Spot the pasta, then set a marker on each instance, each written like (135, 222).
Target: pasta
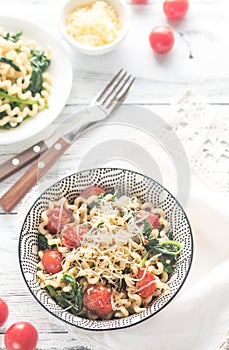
(25, 85)
(104, 256)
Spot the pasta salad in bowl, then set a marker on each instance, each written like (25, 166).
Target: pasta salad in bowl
(105, 248)
(33, 66)
(25, 83)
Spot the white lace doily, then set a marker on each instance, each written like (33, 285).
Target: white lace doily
(205, 137)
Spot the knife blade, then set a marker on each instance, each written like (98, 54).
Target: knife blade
(86, 118)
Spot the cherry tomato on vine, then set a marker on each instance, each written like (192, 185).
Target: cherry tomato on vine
(175, 9)
(21, 336)
(97, 299)
(146, 285)
(4, 312)
(52, 261)
(161, 39)
(92, 191)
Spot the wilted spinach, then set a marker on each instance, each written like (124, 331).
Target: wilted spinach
(39, 62)
(12, 37)
(73, 300)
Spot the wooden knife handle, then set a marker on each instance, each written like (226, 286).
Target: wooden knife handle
(12, 165)
(13, 196)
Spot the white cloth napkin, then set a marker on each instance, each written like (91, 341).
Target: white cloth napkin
(199, 316)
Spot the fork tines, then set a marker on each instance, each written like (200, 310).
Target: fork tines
(116, 90)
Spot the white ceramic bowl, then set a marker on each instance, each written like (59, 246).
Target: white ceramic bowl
(124, 16)
(58, 97)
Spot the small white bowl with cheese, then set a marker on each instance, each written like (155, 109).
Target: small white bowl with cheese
(95, 27)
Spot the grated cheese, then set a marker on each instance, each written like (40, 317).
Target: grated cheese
(96, 24)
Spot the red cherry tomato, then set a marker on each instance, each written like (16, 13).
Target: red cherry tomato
(4, 312)
(150, 217)
(161, 39)
(21, 336)
(139, 1)
(146, 285)
(92, 191)
(58, 218)
(72, 237)
(97, 299)
(175, 9)
(52, 261)
(154, 220)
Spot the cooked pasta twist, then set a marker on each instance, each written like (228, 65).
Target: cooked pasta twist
(25, 86)
(103, 241)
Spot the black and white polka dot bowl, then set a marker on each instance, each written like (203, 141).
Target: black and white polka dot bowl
(129, 183)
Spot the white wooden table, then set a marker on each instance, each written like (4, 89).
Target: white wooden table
(204, 32)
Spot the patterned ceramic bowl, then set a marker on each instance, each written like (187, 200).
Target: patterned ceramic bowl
(129, 183)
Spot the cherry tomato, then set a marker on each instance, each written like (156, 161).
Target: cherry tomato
(72, 237)
(139, 1)
(4, 312)
(97, 299)
(52, 261)
(161, 39)
(21, 336)
(150, 217)
(146, 285)
(92, 191)
(154, 220)
(175, 9)
(58, 218)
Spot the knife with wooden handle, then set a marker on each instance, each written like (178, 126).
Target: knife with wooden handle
(22, 159)
(86, 118)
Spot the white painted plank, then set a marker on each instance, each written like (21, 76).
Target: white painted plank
(208, 71)
(159, 81)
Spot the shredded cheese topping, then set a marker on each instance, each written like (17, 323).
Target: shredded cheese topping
(96, 24)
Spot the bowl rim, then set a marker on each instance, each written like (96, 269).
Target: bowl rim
(140, 320)
(95, 49)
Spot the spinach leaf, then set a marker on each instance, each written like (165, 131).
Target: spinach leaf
(12, 37)
(16, 99)
(132, 216)
(10, 62)
(168, 250)
(167, 247)
(92, 205)
(64, 303)
(67, 277)
(8, 126)
(39, 60)
(36, 81)
(39, 63)
(147, 228)
(42, 242)
(2, 114)
(168, 262)
(102, 195)
(117, 195)
(79, 298)
(75, 294)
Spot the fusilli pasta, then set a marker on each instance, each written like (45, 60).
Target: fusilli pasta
(110, 255)
(25, 85)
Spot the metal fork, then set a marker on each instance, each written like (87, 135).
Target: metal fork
(115, 92)
(100, 108)
(107, 101)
